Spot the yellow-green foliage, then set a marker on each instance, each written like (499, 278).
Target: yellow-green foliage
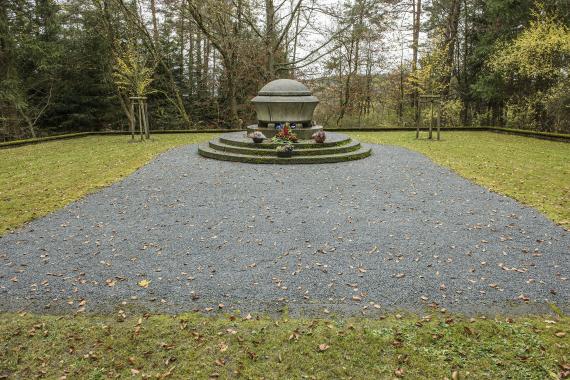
(132, 73)
(433, 67)
(232, 347)
(537, 61)
(541, 51)
(38, 179)
(534, 172)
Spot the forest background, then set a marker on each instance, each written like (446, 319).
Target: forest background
(71, 65)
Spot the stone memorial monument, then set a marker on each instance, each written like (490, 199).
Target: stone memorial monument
(285, 133)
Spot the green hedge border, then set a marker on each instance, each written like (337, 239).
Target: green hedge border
(520, 132)
(65, 136)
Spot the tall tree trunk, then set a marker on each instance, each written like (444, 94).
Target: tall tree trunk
(450, 41)
(198, 64)
(6, 66)
(270, 38)
(191, 69)
(206, 66)
(154, 21)
(353, 62)
(182, 42)
(295, 42)
(415, 44)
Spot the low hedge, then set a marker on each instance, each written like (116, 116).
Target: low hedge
(521, 132)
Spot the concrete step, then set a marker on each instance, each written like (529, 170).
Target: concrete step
(206, 151)
(255, 150)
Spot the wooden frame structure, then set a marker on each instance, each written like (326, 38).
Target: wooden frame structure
(431, 99)
(141, 115)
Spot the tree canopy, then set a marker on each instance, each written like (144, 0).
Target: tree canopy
(71, 65)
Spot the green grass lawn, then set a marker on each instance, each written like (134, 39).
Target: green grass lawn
(199, 347)
(38, 179)
(532, 171)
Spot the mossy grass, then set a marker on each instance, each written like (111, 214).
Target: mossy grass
(237, 346)
(534, 172)
(38, 179)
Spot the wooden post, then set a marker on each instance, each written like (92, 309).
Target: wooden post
(132, 120)
(139, 102)
(140, 119)
(418, 111)
(431, 120)
(438, 118)
(146, 126)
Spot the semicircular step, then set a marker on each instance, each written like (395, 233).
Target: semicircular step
(206, 151)
(255, 150)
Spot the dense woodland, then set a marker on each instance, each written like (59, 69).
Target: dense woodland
(71, 65)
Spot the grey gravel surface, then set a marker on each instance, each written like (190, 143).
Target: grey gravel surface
(393, 231)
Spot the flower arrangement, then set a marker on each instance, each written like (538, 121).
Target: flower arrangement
(285, 150)
(257, 136)
(285, 136)
(319, 137)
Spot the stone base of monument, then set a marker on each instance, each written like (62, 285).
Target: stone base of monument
(302, 133)
(238, 147)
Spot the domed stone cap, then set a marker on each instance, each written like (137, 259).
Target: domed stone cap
(284, 87)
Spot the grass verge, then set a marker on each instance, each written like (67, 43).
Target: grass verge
(534, 172)
(195, 346)
(38, 179)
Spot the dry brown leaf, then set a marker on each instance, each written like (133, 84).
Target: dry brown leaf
(323, 347)
(144, 283)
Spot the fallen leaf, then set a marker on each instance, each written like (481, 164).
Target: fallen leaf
(323, 347)
(144, 283)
